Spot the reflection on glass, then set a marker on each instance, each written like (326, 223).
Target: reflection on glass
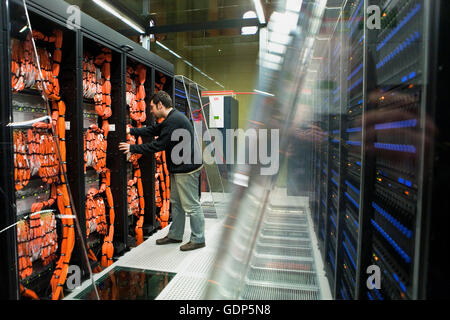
(128, 284)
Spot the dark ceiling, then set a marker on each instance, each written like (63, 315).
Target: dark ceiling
(204, 48)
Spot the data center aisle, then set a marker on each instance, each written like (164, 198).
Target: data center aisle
(286, 264)
(190, 269)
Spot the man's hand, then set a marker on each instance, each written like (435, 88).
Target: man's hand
(125, 147)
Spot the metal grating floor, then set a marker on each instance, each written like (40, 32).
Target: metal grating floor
(283, 264)
(295, 242)
(284, 251)
(262, 292)
(283, 278)
(286, 264)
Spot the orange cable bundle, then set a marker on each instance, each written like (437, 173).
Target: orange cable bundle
(162, 185)
(68, 241)
(108, 247)
(50, 242)
(17, 65)
(22, 172)
(38, 239)
(97, 84)
(136, 102)
(23, 249)
(28, 293)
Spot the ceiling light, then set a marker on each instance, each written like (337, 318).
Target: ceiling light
(276, 48)
(25, 27)
(264, 93)
(249, 30)
(116, 13)
(171, 51)
(294, 5)
(259, 11)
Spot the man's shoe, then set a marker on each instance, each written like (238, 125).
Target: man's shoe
(167, 240)
(191, 246)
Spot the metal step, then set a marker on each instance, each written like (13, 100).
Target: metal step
(286, 208)
(283, 263)
(273, 232)
(286, 218)
(283, 278)
(284, 251)
(285, 226)
(289, 242)
(263, 292)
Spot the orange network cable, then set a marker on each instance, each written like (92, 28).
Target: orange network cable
(162, 179)
(39, 238)
(96, 151)
(136, 101)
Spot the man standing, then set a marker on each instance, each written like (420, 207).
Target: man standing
(184, 177)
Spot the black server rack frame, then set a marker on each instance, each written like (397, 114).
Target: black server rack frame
(56, 13)
(168, 85)
(425, 254)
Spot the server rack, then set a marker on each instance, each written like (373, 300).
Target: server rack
(383, 152)
(90, 35)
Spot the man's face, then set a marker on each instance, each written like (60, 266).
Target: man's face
(156, 109)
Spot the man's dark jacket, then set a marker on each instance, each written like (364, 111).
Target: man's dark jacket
(175, 120)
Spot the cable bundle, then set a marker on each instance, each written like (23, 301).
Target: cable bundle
(133, 197)
(108, 247)
(162, 184)
(162, 179)
(135, 96)
(42, 160)
(68, 241)
(50, 238)
(95, 213)
(23, 67)
(23, 249)
(22, 171)
(37, 237)
(90, 77)
(97, 85)
(95, 146)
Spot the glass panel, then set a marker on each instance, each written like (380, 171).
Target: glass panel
(128, 284)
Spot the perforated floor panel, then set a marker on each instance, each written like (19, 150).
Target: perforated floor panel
(286, 264)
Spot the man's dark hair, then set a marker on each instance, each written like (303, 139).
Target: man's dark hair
(163, 97)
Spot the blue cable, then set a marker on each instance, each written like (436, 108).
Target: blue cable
(332, 180)
(350, 244)
(354, 143)
(396, 147)
(349, 255)
(332, 220)
(355, 71)
(405, 20)
(393, 221)
(394, 244)
(355, 84)
(405, 44)
(358, 129)
(352, 187)
(330, 255)
(351, 199)
(396, 125)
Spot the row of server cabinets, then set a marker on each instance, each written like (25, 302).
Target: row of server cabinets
(36, 249)
(187, 100)
(380, 209)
